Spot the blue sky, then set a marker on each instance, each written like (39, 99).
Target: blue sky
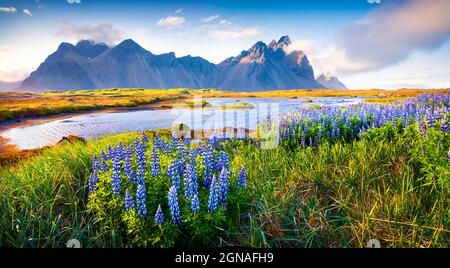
(337, 36)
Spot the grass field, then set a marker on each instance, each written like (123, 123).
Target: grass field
(18, 105)
(393, 185)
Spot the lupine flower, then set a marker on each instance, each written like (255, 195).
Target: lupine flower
(93, 180)
(115, 177)
(95, 164)
(242, 178)
(174, 174)
(159, 217)
(140, 154)
(141, 196)
(195, 204)
(144, 137)
(127, 164)
(103, 166)
(155, 165)
(448, 155)
(190, 178)
(129, 203)
(213, 199)
(223, 161)
(173, 206)
(224, 185)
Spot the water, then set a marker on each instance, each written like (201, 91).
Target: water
(94, 125)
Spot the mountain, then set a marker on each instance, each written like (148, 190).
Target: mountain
(330, 82)
(267, 67)
(90, 65)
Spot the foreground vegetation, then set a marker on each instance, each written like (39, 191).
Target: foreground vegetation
(390, 181)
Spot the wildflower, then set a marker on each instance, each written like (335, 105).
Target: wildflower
(95, 164)
(115, 177)
(174, 175)
(224, 185)
(127, 162)
(159, 217)
(242, 178)
(129, 203)
(213, 200)
(223, 161)
(140, 154)
(103, 166)
(144, 137)
(141, 195)
(93, 180)
(155, 165)
(448, 155)
(173, 205)
(195, 204)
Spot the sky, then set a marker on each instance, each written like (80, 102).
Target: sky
(365, 43)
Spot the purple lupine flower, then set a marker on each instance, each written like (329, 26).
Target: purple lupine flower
(144, 137)
(155, 165)
(195, 204)
(173, 206)
(141, 196)
(140, 154)
(223, 161)
(103, 166)
(95, 164)
(92, 183)
(115, 177)
(213, 199)
(129, 202)
(159, 217)
(223, 186)
(242, 178)
(174, 174)
(448, 155)
(127, 164)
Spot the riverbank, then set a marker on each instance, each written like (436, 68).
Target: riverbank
(20, 105)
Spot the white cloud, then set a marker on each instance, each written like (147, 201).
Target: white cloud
(172, 21)
(14, 75)
(27, 12)
(179, 11)
(99, 32)
(234, 33)
(390, 34)
(74, 1)
(210, 18)
(8, 9)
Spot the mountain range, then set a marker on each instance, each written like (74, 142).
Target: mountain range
(90, 65)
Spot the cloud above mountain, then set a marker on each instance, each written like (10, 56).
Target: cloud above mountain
(98, 32)
(172, 21)
(390, 34)
(8, 9)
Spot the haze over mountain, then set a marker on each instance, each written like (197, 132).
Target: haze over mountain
(9, 86)
(330, 82)
(90, 65)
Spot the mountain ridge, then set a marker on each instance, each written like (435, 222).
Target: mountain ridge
(90, 65)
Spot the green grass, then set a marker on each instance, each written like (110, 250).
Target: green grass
(239, 105)
(336, 195)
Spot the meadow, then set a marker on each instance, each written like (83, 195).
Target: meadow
(338, 178)
(14, 105)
